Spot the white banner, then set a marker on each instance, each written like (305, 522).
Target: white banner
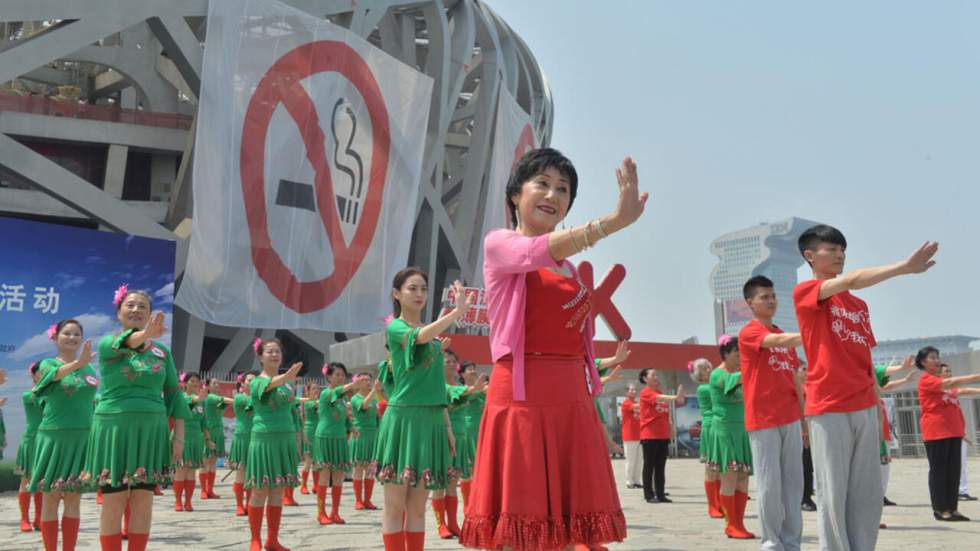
(306, 172)
(513, 137)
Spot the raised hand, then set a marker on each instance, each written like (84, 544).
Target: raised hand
(155, 328)
(294, 370)
(622, 352)
(462, 302)
(481, 383)
(86, 356)
(909, 362)
(631, 202)
(444, 343)
(921, 260)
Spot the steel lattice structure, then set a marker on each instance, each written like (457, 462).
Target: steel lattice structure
(132, 70)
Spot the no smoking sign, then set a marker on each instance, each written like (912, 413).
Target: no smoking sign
(348, 209)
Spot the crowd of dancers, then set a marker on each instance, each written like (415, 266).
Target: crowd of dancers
(525, 449)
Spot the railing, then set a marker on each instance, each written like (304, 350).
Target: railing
(40, 105)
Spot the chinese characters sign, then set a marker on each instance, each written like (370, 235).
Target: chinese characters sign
(46, 299)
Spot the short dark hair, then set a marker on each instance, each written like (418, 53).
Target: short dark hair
(644, 373)
(922, 354)
(334, 366)
(728, 347)
(535, 162)
(821, 233)
(755, 282)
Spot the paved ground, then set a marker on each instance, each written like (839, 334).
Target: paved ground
(681, 525)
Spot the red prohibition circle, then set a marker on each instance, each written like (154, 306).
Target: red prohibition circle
(281, 84)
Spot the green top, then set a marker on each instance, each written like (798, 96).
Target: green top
(311, 413)
(457, 411)
(297, 417)
(67, 404)
(333, 419)
(365, 418)
(32, 414)
(138, 381)
(196, 422)
(704, 403)
(416, 369)
(243, 414)
(726, 400)
(214, 407)
(474, 410)
(273, 407)
(386, 378)
(881, 374)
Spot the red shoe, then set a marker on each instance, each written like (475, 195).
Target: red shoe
(370, 506)
(335, 518)
(178, 507)
(324, 520)
(444, 532)
(882, 525)
(275, 547)
(188, 508)
(156, 491)
(304, 490)
(25, 525)
(358, 506)
(212, 495)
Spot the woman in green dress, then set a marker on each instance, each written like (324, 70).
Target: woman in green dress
(365, 416)
(214, 413)
(66, 390)
(25, 455)
(272, 460)
(242, 407)
(310, 399)
(129, 448)
(445, 503)
(330, 453)
(473, 414)
(700, 370)
(415, 439)
(196, 439)
(730, 453)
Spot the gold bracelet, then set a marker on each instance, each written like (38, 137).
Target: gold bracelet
(571, 233)
(588, 245)
(602, 233)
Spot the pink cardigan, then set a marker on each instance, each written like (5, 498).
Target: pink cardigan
(508, 256)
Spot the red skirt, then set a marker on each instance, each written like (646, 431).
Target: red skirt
(543, 479)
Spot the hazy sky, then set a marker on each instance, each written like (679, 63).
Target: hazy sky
(862, 115)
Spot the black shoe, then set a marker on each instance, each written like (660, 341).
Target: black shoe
(632, 486)
(809, 505)
(652, 500)
(945, 517)
(967, 497)
(958, 516)
(665, 499)
(889, 503)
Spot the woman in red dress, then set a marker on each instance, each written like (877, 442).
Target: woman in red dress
(543, 479)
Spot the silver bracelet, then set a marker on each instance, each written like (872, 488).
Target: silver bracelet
(602, 233)
(588, 245)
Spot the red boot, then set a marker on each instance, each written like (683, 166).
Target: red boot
(189, 494)
(368, 490)
(49, 534)
(464, 490)
(274, 516)
(126, 514)
(178, 495)
(414, 541)
(211, 494)
(287, 497)
(321, 506)
(358, 495)
(452, 506)
(37, 511)
(255, 527)
(24, 501)
(394, 542)
(203, 477)
(98, 496)
(709, 491)
(304, 477)
(335, 493)
(157, 491)
(239, 490)
(137, 542)
(69, 533)
(439, 510)
(111, 543)
(733, 526)
(316, 480)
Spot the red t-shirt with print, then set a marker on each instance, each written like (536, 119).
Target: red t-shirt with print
(941, 413)
(654, 416)
(837, 339)
(768, 387)
(631, 422)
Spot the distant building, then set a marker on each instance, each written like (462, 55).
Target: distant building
(766, 249)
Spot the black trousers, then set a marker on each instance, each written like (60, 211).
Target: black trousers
(654, 467)
(807, 475)
(944, 473)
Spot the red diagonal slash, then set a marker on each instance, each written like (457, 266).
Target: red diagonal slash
(602, 304)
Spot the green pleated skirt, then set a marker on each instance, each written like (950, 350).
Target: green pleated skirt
(462, 462)
(703, 440)
(413, 447)
(362, 448)
(59, 459)
(331, 453)
(194, 450)
(25, 456)
(309, 437)
(128, 449)
(218, 437)
(729, 450)
(272, 460)
(239, 450)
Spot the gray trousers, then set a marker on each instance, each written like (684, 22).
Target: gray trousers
(847, 466)
(777, 459)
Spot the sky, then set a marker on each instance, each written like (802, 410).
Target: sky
(865, 116)
(84, 268)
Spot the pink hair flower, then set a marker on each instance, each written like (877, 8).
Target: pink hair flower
(724, 340)
(324, 369)
(690, 367)
(120, 294)
(53, 331)
(257, 345)
(387, 320)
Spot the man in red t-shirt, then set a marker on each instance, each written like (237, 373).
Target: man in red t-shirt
(841, 396)
(773, 409)
(629, 415)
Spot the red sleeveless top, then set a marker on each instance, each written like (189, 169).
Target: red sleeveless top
(557, 310)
